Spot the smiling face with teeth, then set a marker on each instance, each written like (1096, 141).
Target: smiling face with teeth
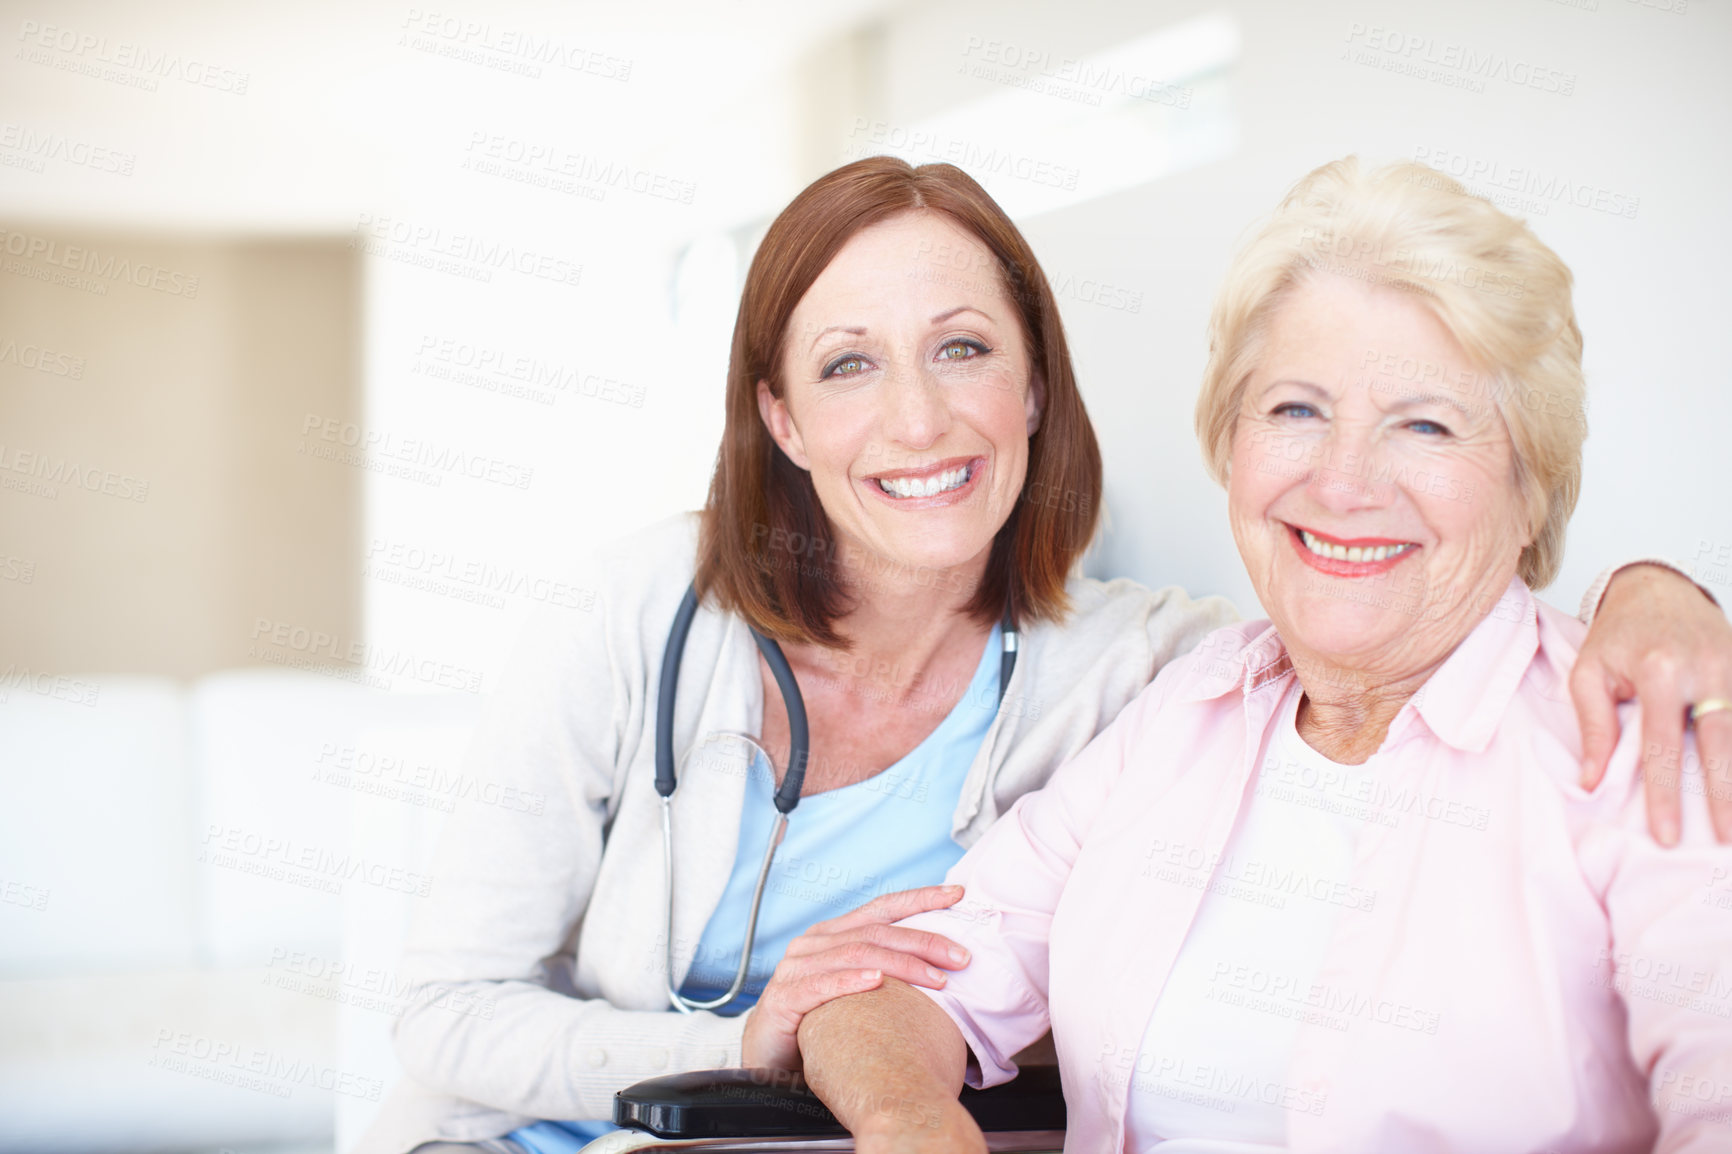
(907, 395)
(1379, 519)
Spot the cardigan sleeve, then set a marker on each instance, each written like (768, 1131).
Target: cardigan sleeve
(491, 1018)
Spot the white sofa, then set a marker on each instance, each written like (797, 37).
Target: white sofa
(203, 895)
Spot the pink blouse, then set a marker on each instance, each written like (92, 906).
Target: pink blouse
(1534, 973)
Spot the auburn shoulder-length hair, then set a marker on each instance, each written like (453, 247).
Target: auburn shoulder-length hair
(765, 545)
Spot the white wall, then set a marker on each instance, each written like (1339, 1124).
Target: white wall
(1649, 119)
(366, 120)
(344, 119)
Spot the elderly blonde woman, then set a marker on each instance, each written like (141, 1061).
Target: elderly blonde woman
(880, 517)
(1331, 882)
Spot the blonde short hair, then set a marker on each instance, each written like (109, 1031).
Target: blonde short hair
(1502, 294)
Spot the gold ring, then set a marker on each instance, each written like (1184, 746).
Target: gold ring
(1711, 705)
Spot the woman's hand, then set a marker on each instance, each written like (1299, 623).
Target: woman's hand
(1658, 639)
(848, 955)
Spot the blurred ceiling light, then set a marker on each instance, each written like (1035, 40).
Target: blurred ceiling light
(1064, 130)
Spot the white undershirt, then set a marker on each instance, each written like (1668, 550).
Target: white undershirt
(1212, 1073)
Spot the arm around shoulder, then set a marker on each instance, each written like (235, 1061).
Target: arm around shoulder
(1178, 623)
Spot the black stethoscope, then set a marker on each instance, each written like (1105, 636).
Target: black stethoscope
(787, 796)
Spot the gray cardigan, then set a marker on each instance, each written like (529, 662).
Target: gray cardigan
(538, 957)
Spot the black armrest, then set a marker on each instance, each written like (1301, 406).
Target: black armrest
(773, 1103)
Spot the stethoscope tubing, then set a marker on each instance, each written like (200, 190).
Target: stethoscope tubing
(787, 796)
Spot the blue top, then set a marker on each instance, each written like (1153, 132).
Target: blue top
(842, 848)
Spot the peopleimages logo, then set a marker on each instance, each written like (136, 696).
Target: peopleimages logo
(1081, 80)
(512, 373)
(58, 686)
(991, 161)
(1377, 263)
(400, 563)
(1458, 65)
(92, 263)
(507, 49)
(462, 254)
(51, 471)
(551, 165)
(348, 443)
(301, 647)
(237, 1064)
(39, 147)
(1524, 187)
(122, 61)
(28, 355)
(316, 867)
